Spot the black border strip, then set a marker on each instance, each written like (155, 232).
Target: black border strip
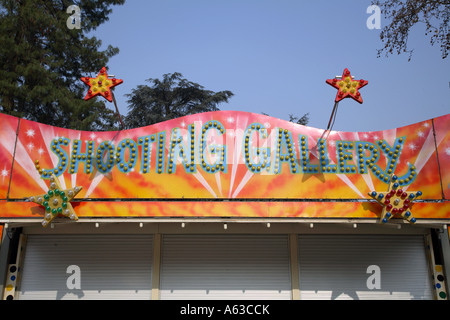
(231, 200)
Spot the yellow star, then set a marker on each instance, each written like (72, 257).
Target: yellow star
(395, 201)
(56, 201)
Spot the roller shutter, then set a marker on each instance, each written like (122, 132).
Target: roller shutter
(225, 267)
(338, 267)
(110, 267)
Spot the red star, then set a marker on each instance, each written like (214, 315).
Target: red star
(347, 87)
(101, 85)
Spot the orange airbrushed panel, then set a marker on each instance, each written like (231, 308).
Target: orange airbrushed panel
(219, 155)
(442, 128)
(219, 209)
(224, 155)
(8, 132)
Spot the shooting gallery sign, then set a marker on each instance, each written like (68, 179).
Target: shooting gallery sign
(223, 155)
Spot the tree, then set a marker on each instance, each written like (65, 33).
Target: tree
(404, 14)
(303, 120)
(42, 61)
(170, 98)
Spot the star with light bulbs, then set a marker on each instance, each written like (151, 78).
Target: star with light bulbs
(101, 85)
(56, 201)
(347, 87)
(396, 202)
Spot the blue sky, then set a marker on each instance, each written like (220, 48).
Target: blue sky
(275, 57)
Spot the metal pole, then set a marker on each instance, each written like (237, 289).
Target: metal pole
(117, 109)
(332, 114)
(4, 255)
(445, 246)
(331, 122)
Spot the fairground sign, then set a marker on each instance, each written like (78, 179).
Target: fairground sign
(201, 159)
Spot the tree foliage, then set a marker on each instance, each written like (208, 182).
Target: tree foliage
(170, 98)
(42, 61)
(303, 120)
(404, 14)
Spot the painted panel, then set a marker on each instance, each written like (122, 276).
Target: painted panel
(8, 131)
(442, 126)
(217, 209)
(228, 154)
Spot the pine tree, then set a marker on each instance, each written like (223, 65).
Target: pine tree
(169, 98)
(42, 61)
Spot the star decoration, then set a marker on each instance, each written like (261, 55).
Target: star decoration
(101, 85)
(396, 201)
(56, 201)
(347, 87)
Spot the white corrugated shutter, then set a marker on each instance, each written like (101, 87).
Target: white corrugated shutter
(336, 267)
(111, 267)
(225, 267)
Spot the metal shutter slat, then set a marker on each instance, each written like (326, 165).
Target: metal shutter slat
(225, 267)
(335, 266)
(112, 267)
